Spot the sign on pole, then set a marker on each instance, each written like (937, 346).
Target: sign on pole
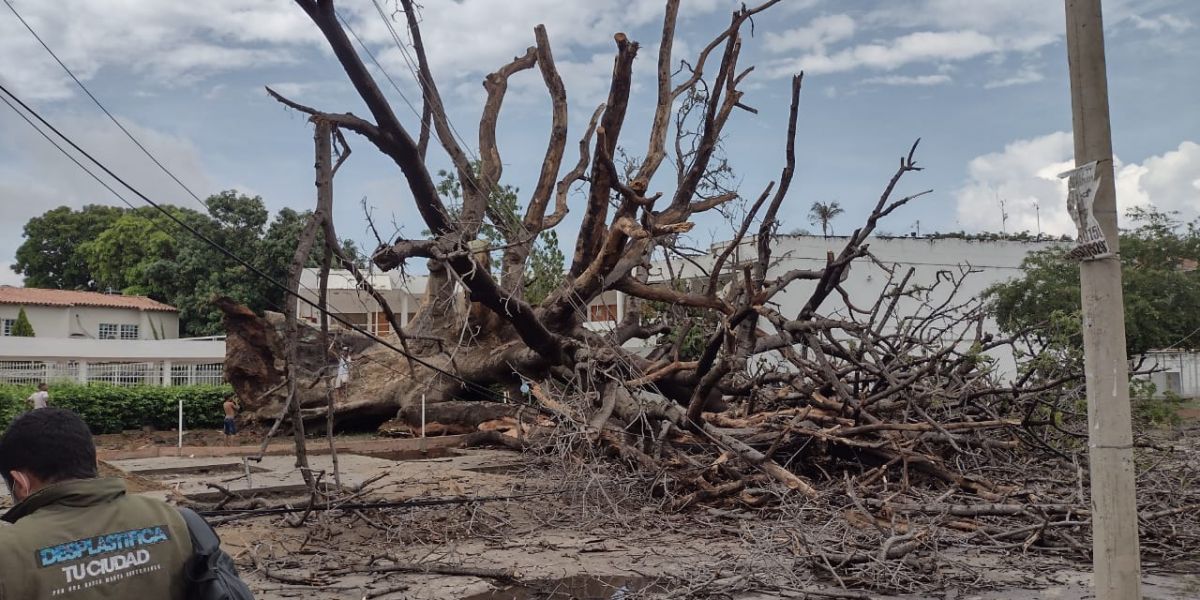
(1082, 184)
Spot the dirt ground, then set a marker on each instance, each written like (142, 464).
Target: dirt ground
(133, 440)
(575, 531)
(551, 527)
(590, 544)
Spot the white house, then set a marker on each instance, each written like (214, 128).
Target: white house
(354, 304)
(88, 315)
(90, 337)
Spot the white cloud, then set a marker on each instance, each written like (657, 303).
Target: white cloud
(1024, 76)
(921, 46)
(1024, 176)
(469, 38)
(941, 31)
(180, 42)
(919, 80)
(1161, 23)
(1016, 25)
(816, 35)
(1171, 181)
(41, 178)
(166, 40)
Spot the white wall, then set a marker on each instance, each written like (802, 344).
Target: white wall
(85, 321)
(47, 321)
(40, 348)
(995, 261)
(1180, 367)
(931, 261)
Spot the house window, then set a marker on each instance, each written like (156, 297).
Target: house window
(8, 326)
(109, 331)
(129, 332)
(357, 319)
(604, 312)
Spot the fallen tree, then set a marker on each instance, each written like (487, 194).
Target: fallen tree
(882, 408)
(476, 338)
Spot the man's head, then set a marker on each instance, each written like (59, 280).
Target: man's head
(43, 387)
(45, 446)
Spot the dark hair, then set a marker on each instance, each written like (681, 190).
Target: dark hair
(52, 444)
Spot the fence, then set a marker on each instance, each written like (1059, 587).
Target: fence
(165, 372)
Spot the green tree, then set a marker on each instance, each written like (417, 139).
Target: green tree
(49, 257)
(143, 252)
(124, 254)
(1160, 282)
(823, 213)
(22, 327)
(502, 226)
(278, 244)
(544, 272)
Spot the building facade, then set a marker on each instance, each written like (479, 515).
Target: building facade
(354, 304)
(87, 315)
(89, 337)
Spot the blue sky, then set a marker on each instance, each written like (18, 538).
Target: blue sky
(982, 82)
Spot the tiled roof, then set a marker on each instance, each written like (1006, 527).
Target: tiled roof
(41, 297)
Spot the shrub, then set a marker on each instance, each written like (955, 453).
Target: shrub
(22, 328)
(1150, 409)
(112, 408)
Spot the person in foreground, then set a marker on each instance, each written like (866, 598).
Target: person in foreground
(75, 535)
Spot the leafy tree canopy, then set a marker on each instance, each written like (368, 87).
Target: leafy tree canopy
(48, 258)
(140, 251)
(1160, 281)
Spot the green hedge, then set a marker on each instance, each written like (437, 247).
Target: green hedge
(113, 408)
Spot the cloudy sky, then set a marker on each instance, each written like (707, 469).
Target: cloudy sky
(982, 82)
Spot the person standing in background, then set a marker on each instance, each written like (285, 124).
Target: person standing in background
(230, 418)
(40, 398)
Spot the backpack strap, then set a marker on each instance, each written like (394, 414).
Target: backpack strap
(204, 540)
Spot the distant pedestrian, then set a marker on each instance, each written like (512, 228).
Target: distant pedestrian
(230, 417)
(40, 398)
(343, 370)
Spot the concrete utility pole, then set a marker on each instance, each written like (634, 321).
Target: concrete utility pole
(1115, 556)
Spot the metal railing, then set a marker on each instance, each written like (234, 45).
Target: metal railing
(166, 373)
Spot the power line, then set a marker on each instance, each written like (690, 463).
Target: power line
(422, 81)
(97, 102)
(378, 65)
(287, 290)
(66, 154)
